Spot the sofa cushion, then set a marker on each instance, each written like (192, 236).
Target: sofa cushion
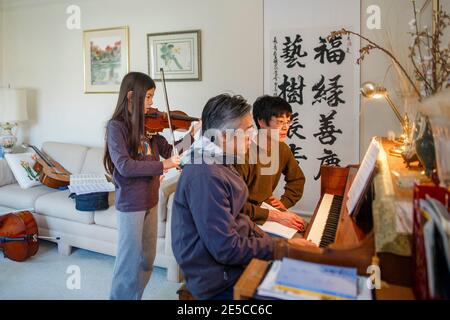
(168, 246)
(93, 162)
(161, 229)
(70, 156)
(160, 244)
(167, 187)
(59, 205)
(170, 205)
(106, 218)
(14, 196)
(5, 210)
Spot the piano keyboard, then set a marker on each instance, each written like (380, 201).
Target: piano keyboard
(323, 230)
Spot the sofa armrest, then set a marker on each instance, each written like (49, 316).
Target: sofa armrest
(168, 186)
(168, 243)
(6, 175)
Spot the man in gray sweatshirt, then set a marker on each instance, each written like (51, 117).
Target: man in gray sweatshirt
(211, 239)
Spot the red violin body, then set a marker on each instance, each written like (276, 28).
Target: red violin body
(157, 121)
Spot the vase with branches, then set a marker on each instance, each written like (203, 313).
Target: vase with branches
(430, 60)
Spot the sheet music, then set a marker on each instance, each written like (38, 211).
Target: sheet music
(276, 228)
(265, 205)
(362, 176)
(266, 288)
(88, 183)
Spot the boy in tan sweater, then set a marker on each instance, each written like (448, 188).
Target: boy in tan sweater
(273, 113)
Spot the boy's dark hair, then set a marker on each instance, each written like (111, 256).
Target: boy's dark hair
(266, 107)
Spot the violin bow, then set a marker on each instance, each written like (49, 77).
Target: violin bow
(163, 78)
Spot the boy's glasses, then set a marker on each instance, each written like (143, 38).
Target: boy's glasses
(281, 123)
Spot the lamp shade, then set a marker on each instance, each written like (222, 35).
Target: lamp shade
(13, 105)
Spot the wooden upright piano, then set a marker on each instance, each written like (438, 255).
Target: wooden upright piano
(342, 239)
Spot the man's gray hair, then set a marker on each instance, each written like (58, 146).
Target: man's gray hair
(221, 112)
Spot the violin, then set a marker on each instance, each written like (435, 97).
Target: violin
(19, 235)
(157, 121)
(51, 173)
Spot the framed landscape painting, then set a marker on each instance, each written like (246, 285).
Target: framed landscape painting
(178, 53)
(106, 59)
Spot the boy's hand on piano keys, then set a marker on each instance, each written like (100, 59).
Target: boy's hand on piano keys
(288, 219)
(276, 203)
(301, 242)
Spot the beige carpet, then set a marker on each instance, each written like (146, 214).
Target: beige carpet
(44, 276)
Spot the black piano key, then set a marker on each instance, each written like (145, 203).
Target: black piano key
(329, 232)
(327, 243)
(323, 244)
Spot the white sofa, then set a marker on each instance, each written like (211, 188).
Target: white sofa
(56, 215)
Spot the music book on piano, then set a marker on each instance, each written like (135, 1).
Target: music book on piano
(291, 279)
(363, 175)
(275, 228)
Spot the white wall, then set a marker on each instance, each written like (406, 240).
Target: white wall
(1, 45)
(45, 57)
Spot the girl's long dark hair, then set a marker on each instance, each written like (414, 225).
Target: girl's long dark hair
(139, 84)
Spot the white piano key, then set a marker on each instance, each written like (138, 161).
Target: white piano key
(316, 231)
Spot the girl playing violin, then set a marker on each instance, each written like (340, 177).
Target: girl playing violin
(134, 161)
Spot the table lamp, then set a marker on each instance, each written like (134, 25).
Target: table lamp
(13, 109)
(371, 90)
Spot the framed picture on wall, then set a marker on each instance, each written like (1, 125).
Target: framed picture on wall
(178, 53)
(106, 59)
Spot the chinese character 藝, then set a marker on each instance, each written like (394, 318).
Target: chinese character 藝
(292, 52)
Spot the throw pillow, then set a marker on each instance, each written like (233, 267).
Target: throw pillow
(21, 164)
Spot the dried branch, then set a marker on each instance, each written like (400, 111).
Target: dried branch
(434, 69)
(372, 45)
(418, 45)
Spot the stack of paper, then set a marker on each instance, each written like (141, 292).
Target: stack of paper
(89, 183)
(436, 234)
(298, 280)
